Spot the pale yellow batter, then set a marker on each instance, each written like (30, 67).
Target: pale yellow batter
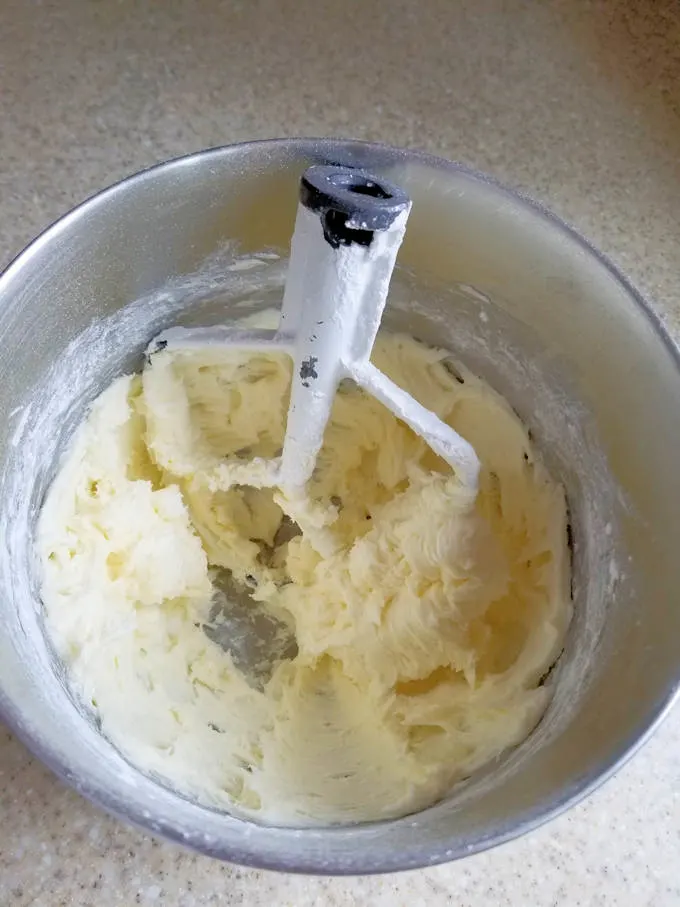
(422, 638)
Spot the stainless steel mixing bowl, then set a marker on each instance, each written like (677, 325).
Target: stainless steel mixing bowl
(524, 301)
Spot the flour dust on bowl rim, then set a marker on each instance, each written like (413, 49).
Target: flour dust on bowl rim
(522, 301)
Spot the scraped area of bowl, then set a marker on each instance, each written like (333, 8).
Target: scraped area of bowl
(92, 362)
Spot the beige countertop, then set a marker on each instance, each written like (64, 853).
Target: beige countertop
(576, 102)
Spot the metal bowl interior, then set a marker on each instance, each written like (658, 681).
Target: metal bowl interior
(521, 299)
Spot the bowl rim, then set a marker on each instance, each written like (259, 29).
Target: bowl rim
(406, 858)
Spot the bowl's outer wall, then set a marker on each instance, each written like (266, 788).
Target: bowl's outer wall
(164, 223)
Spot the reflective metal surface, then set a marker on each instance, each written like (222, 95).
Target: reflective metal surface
(517, 296)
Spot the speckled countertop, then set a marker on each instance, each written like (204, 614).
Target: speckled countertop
(577, 103)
